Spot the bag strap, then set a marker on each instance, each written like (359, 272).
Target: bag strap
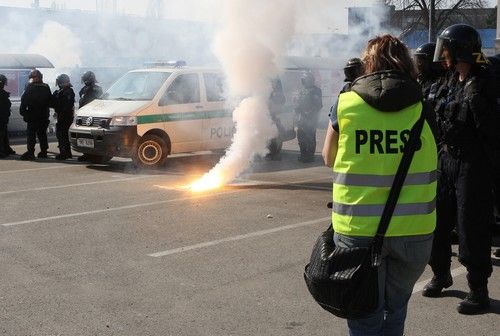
(408, 153)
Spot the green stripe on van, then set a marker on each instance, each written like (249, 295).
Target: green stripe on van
(169, 117)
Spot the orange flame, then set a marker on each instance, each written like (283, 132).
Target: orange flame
(206, 183)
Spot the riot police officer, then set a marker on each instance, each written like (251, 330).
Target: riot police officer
(88, 93)
(428, 71)
(5, 105)
(63, 102)
(308, 105)
(34, 108)
(352, 70)
(464, 171)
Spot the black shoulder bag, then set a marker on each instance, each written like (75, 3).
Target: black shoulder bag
(344, 281)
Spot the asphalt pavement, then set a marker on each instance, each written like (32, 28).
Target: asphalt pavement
(110, 250)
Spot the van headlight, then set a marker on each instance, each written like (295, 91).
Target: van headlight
(123, 121)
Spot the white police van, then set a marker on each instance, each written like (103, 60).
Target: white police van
(151, 113)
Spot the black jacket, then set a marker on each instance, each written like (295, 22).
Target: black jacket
(466, 116)
(88, 93)
(35, 102)
(63, 102)
(5, 105)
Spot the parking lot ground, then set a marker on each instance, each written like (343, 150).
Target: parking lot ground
(109, 250)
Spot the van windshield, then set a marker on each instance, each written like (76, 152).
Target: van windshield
(136, 86)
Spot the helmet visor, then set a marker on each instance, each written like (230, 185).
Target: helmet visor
(439, 50)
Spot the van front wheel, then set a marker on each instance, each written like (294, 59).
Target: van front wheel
(150, 152)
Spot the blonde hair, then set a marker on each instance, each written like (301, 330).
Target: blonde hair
(387, 52)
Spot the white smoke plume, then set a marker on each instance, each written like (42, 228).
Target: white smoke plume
(253, 35)
(59, 44)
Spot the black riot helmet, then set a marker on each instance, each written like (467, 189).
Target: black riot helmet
(36, 75)
(88, 78)
(353, 69)
(424, 60)
(3, 80)
(307, 79)
(462, 42)
(63, 80)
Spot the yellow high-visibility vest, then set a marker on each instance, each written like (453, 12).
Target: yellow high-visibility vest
(370, 149)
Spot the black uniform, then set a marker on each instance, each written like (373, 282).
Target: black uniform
(35, 103)
(464, 180)
(88, 93)
(5, 105)
(63, 102)
(308, 106)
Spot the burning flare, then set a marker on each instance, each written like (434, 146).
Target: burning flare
(207, 182)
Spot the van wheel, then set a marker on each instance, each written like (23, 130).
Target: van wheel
(275, 146)
(97, 158)
(150, 152)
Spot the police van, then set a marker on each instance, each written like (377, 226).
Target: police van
(151, 113)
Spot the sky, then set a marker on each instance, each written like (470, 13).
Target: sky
(200, 10)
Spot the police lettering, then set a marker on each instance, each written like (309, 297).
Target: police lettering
(222, 132)
(381, 142)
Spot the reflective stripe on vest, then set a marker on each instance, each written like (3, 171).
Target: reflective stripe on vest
(371, 180)
(412, 209)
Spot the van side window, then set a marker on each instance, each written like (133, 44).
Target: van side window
(214, 84)
(185, 89)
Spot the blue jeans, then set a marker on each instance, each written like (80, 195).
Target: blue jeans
(403, 262)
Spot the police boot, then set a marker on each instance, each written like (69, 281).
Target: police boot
(475, 302)
(436, 285)
(42, 155)
(28, 156)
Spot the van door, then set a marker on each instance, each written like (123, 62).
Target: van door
(183, 113)
(218, 126)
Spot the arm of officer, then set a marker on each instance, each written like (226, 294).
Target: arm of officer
(482, 108)
(330, 146)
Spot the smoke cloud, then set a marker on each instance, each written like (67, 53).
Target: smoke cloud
(59, 44)
(252, 37)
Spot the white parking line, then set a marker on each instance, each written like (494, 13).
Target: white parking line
(43, 168)
(238, 237)
(72, 185)
(419, 286)
(125, 207)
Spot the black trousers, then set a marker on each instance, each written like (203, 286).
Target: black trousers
(4, 139)
(464, 199)
(306, 136)
(37, 128)
(62, 128)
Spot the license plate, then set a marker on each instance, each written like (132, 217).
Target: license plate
(83, 142)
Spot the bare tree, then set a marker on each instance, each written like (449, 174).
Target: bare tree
(443, 10)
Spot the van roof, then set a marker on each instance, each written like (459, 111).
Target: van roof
(177, 70)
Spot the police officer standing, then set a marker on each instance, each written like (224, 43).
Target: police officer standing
(35, 103)
(87, 94)
(464, 180)
(5, 105)
(63, 102)
(309, 103)
(90, 91)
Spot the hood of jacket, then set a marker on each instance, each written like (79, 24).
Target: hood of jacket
(388, 91)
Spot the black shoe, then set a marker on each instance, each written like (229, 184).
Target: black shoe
(42, 155)
(82, 158)
(477, 301)
(28, 156)
(3, 155)
(436, 285)
(10, 151)
(62, 157)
